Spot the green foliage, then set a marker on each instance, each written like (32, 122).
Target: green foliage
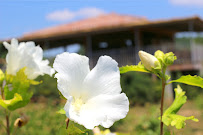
(47, 89)
(2, 77)
(138, 68)
(190, 80)
(165, 59)
(72, 130)
(10, 104)
(43, 119)
(140, 88)
(16, 91)
(169, 58)
(61, 111)
(170, 117)
(149, 124)
(199, 101)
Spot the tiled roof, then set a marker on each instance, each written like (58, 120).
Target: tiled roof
(97, 23)
(112, 21)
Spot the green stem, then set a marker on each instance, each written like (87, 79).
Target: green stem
(162, 99)
(2, 93)
(162, 104)
(7, 124)
(67, 122)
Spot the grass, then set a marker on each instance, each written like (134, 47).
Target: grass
(141, 119)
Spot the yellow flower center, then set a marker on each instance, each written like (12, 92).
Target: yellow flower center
(77, 104)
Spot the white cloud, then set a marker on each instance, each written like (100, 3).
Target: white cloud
(67, 15)
(60, 15)
(187, 2)
(90, 12)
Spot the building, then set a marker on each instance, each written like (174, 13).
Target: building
(122, 36)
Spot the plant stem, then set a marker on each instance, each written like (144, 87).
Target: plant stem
(67, 122)
(162, 103)
(7, 115)
(7, 124)
(2, 93)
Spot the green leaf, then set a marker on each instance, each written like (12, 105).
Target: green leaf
(33, 82)
(190, 80)
(61, 111)
(138, 68)
(2, 77)
(9, 104)
(20, 85)
(170, 117)
(72, 130)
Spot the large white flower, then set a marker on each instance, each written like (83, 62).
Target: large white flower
(93, 97)
(26, 54)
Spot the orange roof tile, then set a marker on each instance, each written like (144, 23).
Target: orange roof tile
(110, 21)
(99, 22)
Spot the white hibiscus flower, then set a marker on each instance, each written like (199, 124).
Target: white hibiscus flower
(93, 97)
(26, 54)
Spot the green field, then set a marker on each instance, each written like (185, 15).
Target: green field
(141, 120)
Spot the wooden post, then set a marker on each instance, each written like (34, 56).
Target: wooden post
(137, 44)
(89, 49)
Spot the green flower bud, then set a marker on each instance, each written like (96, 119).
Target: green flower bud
(148, 60)
(169, 58)
(159, 55)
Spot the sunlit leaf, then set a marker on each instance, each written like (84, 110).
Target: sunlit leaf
(61, 111)
(170, 117)
(190, 80)
(20, 85)
(138, 68)
(10, 104)
(71, 130)
(33, 82)
(2, 76)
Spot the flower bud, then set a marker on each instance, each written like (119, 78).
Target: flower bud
(19, 122)
(169, 58)
(148, 60)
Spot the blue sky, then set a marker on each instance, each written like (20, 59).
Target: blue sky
(20, 16)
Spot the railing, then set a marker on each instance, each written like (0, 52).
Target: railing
(123, 56)
(127, 56)
(183, 55)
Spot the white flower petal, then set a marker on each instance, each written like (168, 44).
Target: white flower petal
(13, 57)
(104, 78)
(72, 69)
(26, 55)
(101, 110)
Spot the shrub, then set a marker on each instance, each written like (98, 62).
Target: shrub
(140, 88)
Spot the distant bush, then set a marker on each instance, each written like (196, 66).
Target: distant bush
(199, 101)
(140, 88)
(47, 89)
(149, 124)
(191, 91)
